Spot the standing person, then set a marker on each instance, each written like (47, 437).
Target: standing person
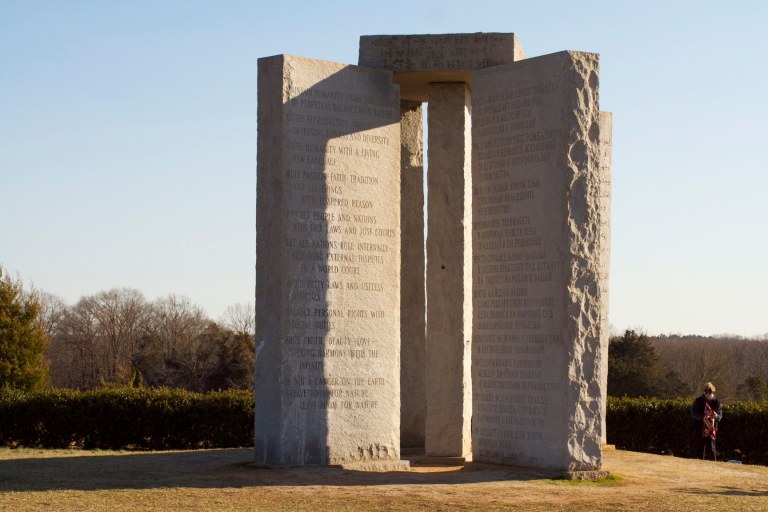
(706, 412)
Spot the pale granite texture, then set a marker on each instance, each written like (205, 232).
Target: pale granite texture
(510, 365)
(413, 296)
(419, 60)
(537, 249)
(328, 264)
(449, 272)
(606, 154)
(439, 52)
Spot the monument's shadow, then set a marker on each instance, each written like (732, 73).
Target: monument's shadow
(213, 469)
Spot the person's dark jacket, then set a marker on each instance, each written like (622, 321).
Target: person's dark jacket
(697, 409)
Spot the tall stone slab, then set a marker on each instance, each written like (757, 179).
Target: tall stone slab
(327, 271)
(606, 157)
(413, 388)
(538, 299)
(449, 272)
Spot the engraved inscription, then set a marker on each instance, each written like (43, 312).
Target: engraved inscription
(443, 51)
(340, 237)
(516, 269)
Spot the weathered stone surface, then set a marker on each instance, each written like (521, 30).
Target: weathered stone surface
(449, 272)
(377, 465)
(413, 299)
(592, 475)
(328, 256)
(606, 154)
(439, 52)
(537, 260)
(419, 60)
(338, 281)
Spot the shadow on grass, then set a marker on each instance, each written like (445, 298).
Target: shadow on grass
(726, 491)
(208, 469)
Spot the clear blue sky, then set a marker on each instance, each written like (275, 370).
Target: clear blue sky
(128, 141)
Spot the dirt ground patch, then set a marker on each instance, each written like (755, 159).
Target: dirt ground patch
(224, 480)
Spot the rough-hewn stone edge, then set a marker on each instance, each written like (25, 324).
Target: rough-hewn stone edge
(581, 330)
(579, 248)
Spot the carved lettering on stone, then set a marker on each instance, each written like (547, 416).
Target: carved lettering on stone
(328, 255)
(536, 260)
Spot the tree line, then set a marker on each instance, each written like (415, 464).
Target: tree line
(118, 337)
(672, 366)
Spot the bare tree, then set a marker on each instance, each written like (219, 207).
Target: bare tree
(170, 353)
(99, 335)
(693, 361)
(173, 322)
(74, 352)
(52, 310)
(726, 361)
(240, 318)
(121, 315)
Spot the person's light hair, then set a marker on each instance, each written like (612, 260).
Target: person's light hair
(709, 386)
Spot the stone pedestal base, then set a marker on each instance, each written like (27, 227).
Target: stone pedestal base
(376, 465)
(371, 465)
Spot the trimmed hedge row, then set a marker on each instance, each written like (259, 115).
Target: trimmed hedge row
(164, 419)
(664, 427)
(142, 419)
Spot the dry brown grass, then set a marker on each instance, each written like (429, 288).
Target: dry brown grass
(223, 480)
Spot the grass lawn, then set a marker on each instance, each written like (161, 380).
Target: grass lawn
(224, 480)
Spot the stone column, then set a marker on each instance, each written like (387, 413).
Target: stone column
(606, 136)
(449, 272)
(412, 293)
